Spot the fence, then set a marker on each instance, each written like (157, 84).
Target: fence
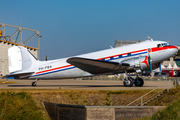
(116, 77)
(79, 112)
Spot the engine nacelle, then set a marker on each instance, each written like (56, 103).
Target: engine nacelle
(141, 62)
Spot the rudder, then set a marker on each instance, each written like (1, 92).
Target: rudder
(20, 59)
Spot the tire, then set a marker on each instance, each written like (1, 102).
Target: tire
(33, 84)
(129, 82)
(139, 82)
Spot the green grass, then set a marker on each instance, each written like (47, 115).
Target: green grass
(19, 106)
(172, 112)
(172, 101)
(167, 99)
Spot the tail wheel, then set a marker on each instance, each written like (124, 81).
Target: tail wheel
(139, 82)
(128, 82)
(33, 83)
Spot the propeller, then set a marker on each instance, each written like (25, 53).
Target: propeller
(151, 63)
(159, 65)
(150, 60)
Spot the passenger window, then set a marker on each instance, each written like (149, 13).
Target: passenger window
(102, 59)
(111, 58)
(129, 54)
(120, 56)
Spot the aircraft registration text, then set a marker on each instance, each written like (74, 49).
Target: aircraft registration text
(45, 67)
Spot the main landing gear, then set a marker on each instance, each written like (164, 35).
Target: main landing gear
(129, 81)
(34, 83)
(139, 82)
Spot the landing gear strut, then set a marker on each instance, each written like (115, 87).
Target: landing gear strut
(34, 83)
(129, 81)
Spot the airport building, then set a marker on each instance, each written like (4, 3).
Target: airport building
(125, 42)
(6, 42)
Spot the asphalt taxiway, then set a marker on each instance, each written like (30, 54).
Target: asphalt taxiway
(83, 84)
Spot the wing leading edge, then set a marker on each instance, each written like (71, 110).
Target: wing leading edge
(98, 67)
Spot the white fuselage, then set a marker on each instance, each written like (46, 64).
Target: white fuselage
(58, 69)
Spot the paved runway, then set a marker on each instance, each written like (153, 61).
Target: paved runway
(82, 84)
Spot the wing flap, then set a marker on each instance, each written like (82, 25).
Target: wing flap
(96, 66)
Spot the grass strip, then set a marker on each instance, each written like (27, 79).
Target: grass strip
(172, 112)
(18, 106)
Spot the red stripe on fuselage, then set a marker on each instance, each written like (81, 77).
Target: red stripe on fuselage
(155, 49)
(123, 54)
(152, 50)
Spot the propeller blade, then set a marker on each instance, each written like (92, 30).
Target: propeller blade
(150, 60)
(150, 68)
(150, 64)
(159, 64)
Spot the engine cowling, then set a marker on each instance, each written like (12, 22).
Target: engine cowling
(141, 62)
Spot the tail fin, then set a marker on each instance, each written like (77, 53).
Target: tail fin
(20, 59)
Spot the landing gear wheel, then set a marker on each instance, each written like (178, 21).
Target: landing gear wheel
(33, 83)
(139, 82)
(128, 82)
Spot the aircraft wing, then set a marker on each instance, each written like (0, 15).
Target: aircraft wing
(20, 75)
(96, 66)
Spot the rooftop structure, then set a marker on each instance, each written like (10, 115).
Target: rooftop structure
(125, 42)
(6, 42)
(8, 38)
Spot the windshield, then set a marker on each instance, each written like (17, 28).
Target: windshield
(165, 44)
(162, 45)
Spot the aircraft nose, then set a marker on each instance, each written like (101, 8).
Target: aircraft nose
(175, 49)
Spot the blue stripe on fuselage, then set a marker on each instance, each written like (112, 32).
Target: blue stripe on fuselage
(125, 56)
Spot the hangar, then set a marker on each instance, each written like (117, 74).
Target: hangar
(6, 41)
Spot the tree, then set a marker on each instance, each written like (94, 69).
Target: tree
(178, 53)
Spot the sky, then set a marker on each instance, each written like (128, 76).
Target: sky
(73, 27)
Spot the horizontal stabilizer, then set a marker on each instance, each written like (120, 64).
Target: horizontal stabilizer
(20, 75)
(96, 66)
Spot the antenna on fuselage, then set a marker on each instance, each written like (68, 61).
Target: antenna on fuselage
(46, 58)
(111, 47)
(149, 38)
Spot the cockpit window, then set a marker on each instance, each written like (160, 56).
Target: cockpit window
(159, 45)
(162, 45)
(165, 44)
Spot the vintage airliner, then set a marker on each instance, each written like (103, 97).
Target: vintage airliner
(145, 55)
